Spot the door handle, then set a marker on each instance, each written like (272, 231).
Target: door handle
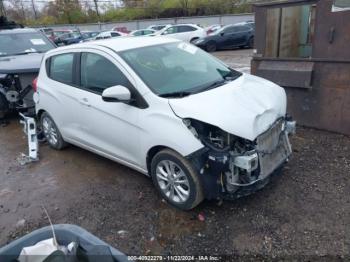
(84, 101)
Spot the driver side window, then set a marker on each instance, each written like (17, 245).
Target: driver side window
(230, 30)
(98, 73)
(171, 30)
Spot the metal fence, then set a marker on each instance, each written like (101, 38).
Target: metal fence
(139, 24)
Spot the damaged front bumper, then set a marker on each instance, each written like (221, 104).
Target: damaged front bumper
(230, 175)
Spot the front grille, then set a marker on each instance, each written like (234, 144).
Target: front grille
(273, 148)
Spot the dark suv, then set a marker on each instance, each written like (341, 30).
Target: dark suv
(21, 51)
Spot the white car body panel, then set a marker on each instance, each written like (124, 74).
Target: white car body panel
(183, 36)
(245, 107)
(85, 124)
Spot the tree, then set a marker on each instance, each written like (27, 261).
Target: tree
(184, 4)
(69, 11)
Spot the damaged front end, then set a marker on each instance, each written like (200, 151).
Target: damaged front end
(16, 90)
(231, 166)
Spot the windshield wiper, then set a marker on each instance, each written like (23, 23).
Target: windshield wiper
(231, 75)
(26, 53)
(176, 94)
(213, 85)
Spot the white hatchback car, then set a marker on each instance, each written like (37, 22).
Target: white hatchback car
(184, 32)
(166, 109)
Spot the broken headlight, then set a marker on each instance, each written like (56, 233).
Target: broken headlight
(211, 136)
(217, 139)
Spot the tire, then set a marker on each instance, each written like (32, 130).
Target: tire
(251, 42)
(51, 132)
(187, 179)
(4, 106)
(211, 47)
(193, 39)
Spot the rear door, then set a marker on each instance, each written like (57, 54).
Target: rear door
(186, 32)
(61, 95)
(226, 38)
(242, 35)
(239, 35)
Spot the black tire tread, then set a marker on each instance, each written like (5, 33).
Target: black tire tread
(4, 106)
(192, 172)
(61, 143)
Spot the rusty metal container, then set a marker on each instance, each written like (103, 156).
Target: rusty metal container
(304, 46)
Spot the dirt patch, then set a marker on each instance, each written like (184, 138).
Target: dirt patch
(303, 212)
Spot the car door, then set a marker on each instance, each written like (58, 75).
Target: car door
(111, 127)
(63, 96)
(225, 37)
(173, 31)
(186, 32)
(242, 34)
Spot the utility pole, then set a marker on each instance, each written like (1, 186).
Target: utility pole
(2, 8)
(34, 10)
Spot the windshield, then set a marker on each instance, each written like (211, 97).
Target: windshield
(22, 43)
(178, 68)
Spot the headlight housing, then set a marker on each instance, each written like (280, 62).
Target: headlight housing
(211, 136)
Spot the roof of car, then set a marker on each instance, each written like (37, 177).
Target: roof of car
(18, 31)
(120, 43)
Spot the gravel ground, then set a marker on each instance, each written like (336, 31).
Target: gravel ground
(303, 214)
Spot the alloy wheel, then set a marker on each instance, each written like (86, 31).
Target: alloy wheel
(50, 131)
(173, 181)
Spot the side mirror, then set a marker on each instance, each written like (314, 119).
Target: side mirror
(116, 94)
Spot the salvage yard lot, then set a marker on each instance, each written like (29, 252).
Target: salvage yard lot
(304, 212)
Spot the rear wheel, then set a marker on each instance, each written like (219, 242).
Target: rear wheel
(176, 180)
(251, 42)
(211, 47)
(193, 39)
(51, 132)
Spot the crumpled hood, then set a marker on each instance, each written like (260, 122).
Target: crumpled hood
(245, 107)
(29, 63)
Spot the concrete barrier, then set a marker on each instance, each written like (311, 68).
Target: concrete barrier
(140, 24)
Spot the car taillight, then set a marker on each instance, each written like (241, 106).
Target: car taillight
(35, 84)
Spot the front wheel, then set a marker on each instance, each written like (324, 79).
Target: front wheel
(176, 180)
(211, 47)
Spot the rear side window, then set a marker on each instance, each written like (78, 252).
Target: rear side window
(98, 73)
(186, 28)
(61, 68)
(113, 34)
(243, 28)
(231, 29)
